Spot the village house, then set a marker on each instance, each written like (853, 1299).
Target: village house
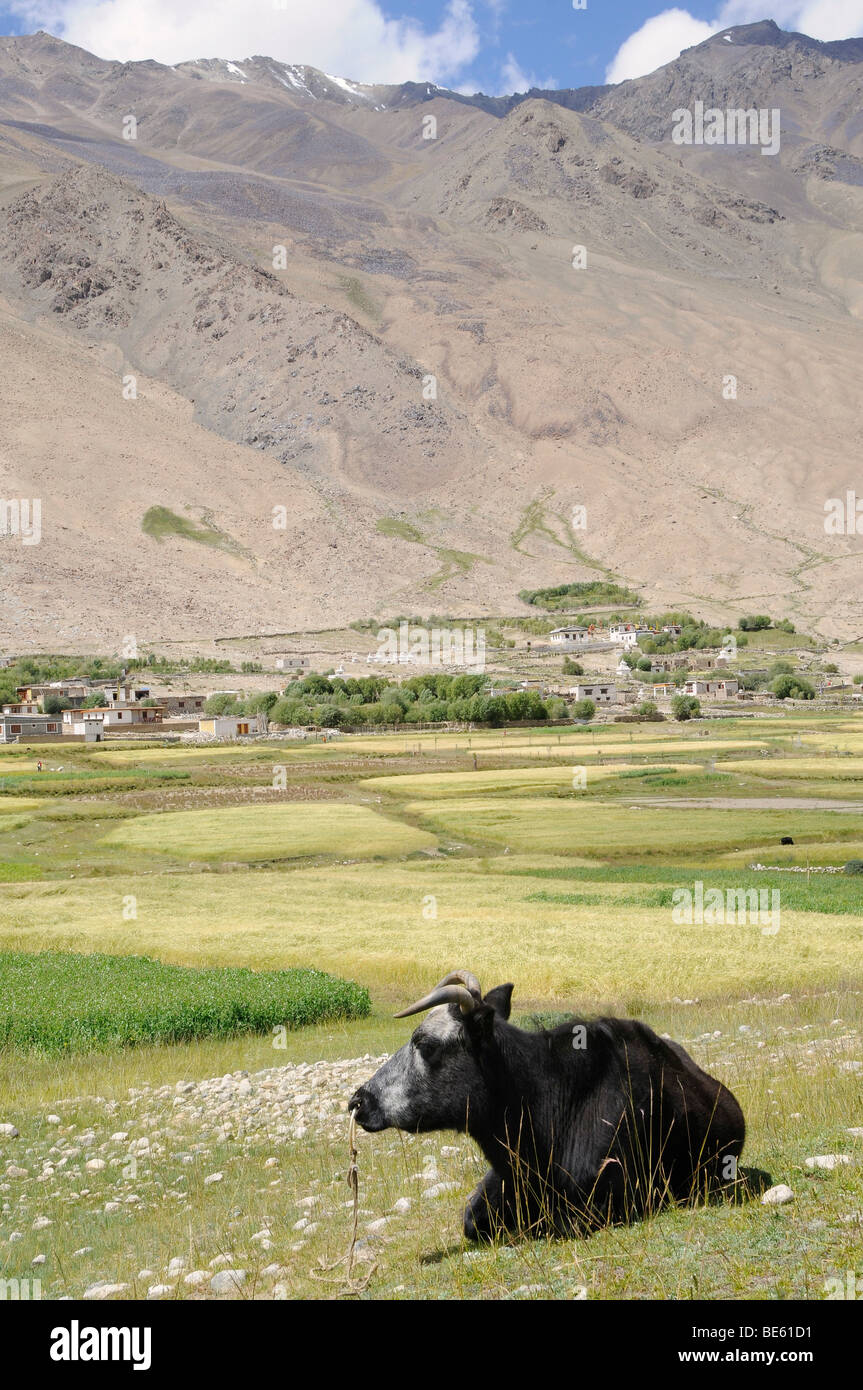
(627, 635)
(17, 728)
(74, 693)
(124, 694)
(600, 694)
(231, 726)
(569, 636)
(118, 717)
(726, 688)
(27, 707)
(86, 723)
(662, 690)
(183, 706)
(665, 662)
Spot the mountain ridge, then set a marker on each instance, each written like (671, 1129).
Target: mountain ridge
(427, 383)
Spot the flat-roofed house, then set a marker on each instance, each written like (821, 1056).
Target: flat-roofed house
(183, 706)
(74, 693)
(230, 725)
(18, 728)
(725, 688)
(123, 694)
(602, 693)
(86, 723)
(116, 717)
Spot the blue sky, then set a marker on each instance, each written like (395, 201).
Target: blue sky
(490, 45)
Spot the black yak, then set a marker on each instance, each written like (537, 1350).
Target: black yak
(589, 1123)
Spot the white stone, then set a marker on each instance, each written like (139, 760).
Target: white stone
(777, 1196)
(8, 1132)
(196, 1277)
(213, 1177)
(176, 1266)
(159, 1290)
(828, 1161)
(101, 1291)
(227, 1280)
(42, 1222)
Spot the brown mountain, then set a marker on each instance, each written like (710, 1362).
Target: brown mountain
(282, 262)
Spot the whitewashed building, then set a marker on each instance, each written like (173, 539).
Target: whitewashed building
(602, 693)
(231, 725)
(569, 636)
(726, 688)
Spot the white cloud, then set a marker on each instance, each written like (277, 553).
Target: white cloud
(820, 19)
(662, 38)
(353, 38)
(659, 40)
(513, 78)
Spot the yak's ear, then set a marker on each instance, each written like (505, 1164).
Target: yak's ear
(500, 999)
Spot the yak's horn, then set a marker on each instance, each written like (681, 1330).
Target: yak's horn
(443, 994)
(462, 977)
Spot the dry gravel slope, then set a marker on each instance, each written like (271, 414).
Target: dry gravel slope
(304, 387)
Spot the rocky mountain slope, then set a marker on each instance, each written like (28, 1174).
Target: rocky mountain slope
(418, 355)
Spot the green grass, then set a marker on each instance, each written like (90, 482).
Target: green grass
(798, 1100)
(578, 913)
(56, 1002)
(583, 594)
(603, 832)
(395, 927)
(249, 833)
(403, 530)
(359, 296)
(159, 522)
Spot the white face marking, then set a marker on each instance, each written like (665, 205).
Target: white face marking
(400, 1075)
(441, 1024)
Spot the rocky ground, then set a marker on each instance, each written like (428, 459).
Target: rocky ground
(199, 1130)
(257, 1163)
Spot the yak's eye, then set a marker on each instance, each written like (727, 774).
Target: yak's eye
(430, 1049)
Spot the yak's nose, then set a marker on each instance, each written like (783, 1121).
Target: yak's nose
(364, 1107)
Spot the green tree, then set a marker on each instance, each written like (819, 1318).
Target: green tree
(792, 688)
(54, 704)
(685, 707)
(584, 709)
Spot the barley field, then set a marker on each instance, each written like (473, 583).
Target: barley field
(208, 1129)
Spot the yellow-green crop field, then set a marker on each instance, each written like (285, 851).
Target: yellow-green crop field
(552, 858)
